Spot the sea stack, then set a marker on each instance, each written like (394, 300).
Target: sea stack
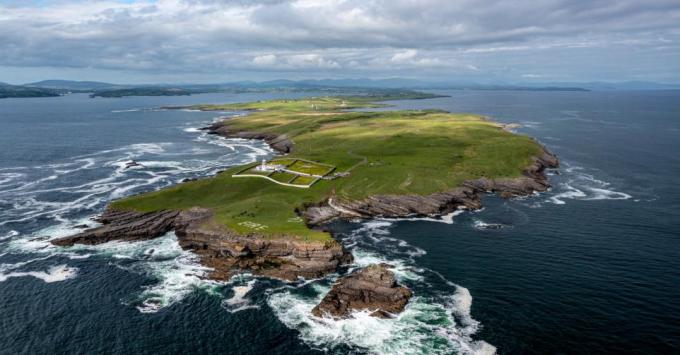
(372, 288)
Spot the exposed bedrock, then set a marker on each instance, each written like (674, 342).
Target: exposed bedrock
(124, 225)
(372, 288)
(280, 143)
(467, 196)
(219, 248)
(228, 252)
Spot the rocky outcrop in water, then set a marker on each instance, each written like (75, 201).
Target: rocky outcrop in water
(372, 288)
(280, 143)
(124, 225)
(223, 250)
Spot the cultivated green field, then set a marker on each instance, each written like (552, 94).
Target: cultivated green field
(388, 152)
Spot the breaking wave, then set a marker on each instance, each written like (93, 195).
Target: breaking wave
(437, 320)
(239, 302)
(43, 202)
(577, 184)
(54, 274)
(446, 219)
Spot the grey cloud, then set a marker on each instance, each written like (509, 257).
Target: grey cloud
(353, 36)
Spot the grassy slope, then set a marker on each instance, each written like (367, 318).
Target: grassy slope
(392, 152)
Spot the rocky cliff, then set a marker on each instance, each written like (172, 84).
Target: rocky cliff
(219, 248)
(287, 257)
(372, 288)
(467, 196)
(280, 143)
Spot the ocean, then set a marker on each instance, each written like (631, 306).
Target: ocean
(591, 266)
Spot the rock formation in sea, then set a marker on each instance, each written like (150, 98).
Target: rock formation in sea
(218, 247)
(373, 288)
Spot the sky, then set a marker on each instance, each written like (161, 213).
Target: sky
(211, 41)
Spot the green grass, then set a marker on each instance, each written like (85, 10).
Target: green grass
(303, 180)
(283, 161)
(282, 177)
(392, 152)
(311, 168)
(254, 171)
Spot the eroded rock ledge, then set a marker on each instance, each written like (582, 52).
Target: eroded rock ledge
(219, 248)
(228, 252)
(372, 288)
(467, 196)
(280, 143)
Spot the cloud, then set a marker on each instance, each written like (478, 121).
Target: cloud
(405, 56)
(265, 60)
(385, 37)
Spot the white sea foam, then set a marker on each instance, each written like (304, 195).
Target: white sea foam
(176, 272)
(434, 322)
(128, 110)
(26, 188)
(239, 301)
(376, 233)
(531, 124)
(446, 219)
(9, 235)
(481, 225)
(53, 274)
(63, 192)
(578, 183)
(425, 326)
(7, 178)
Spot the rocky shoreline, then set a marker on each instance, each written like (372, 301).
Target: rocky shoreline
(467, 196)
(218, 247)
(280, 143)
(286, 257)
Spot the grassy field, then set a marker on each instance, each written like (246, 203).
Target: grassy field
(310, 168)
(391, 152)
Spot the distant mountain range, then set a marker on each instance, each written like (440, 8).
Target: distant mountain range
(344, 86)
(74, 85)
(7, 90)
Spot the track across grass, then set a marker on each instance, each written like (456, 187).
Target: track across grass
(390, 152)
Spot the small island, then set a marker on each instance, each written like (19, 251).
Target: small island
(266, 217)
(142, 91)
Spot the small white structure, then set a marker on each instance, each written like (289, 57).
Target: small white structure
(269, 167)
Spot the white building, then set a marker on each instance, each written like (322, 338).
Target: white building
(269, 167)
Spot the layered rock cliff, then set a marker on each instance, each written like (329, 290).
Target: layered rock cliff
(223, 250)
(280, 143)
(372, 288)
(287, 257)
(467, 196)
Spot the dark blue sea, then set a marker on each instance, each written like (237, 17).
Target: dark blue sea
(591, 266)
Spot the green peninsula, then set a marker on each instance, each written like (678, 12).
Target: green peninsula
(374, 153)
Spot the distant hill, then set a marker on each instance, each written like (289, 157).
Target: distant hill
(332, 86)
(395, 83)
(7, 91)
(142, 91)
(630, 85)
(74, 85)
